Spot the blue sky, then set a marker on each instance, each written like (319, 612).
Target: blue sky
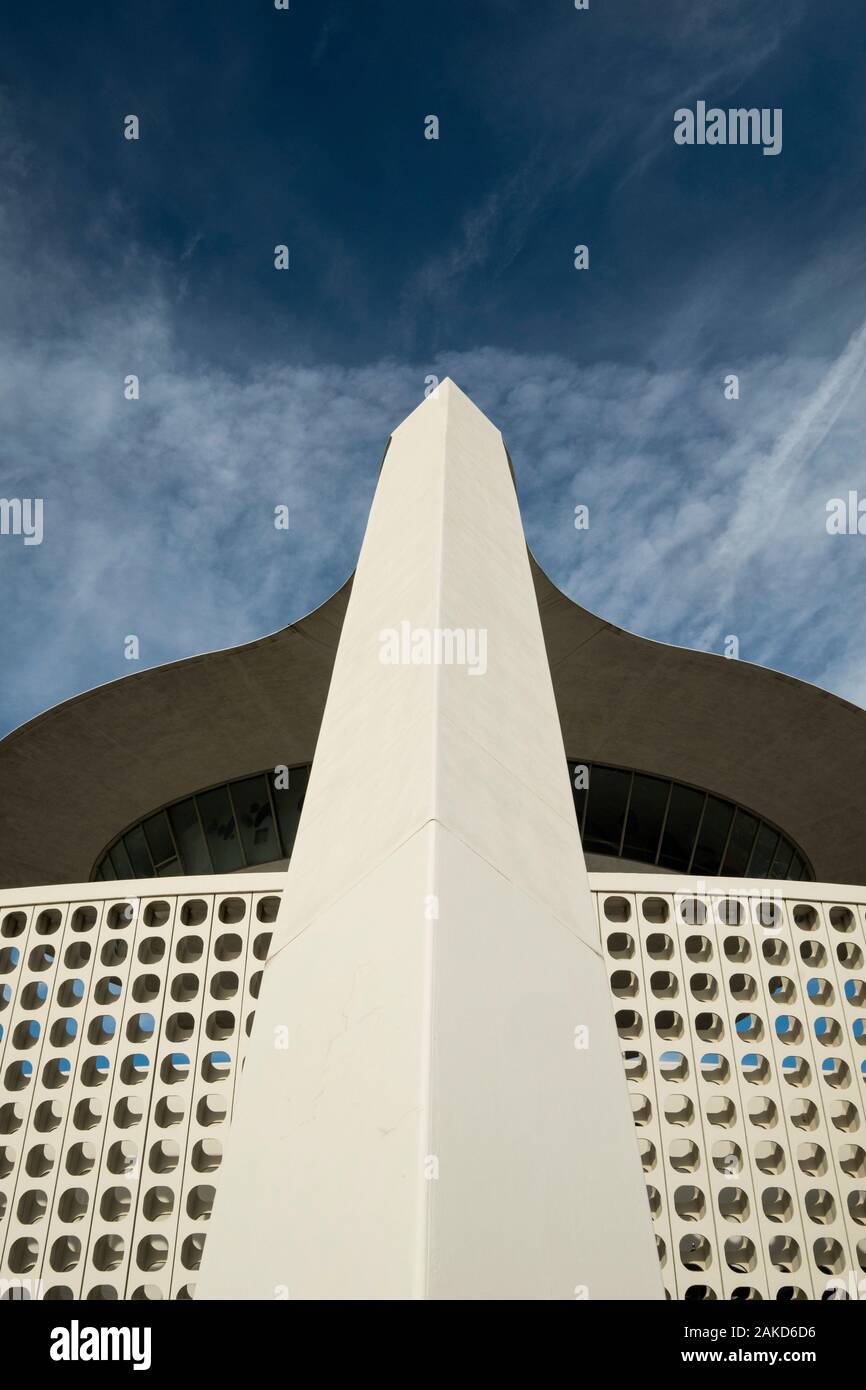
(412, 257)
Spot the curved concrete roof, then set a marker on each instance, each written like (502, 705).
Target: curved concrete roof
(787, 750)
(77, 775)
(74, 777)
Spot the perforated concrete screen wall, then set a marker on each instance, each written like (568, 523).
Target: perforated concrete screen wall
(124, 1023)
(743, 1024)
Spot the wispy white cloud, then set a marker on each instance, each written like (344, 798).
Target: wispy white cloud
(707, 516)
(725, 48)
(705, 52)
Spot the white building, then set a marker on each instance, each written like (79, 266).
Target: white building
(432, 1058)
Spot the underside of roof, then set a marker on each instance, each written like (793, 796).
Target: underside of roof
(75, 776)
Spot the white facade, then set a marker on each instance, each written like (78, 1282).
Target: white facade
(125, 1011)
(741, 1008)
(753, 1142)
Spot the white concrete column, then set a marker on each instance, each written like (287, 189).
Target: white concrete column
(433, 1103)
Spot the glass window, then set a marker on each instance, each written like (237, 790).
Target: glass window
(139, 855)
(740, 845)
(605, 809)
(169, 870)
(120, 861)
(649, 797)
(712, 836)
(782, 859)
(579, 793)
(159, 838)
(762, 854)
(289, 801)
(680, 828)
(220, 830)
(256, 819)
(189, 838)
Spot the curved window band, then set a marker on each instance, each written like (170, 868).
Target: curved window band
(237, 825)
(654, 820)
(621, 813)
